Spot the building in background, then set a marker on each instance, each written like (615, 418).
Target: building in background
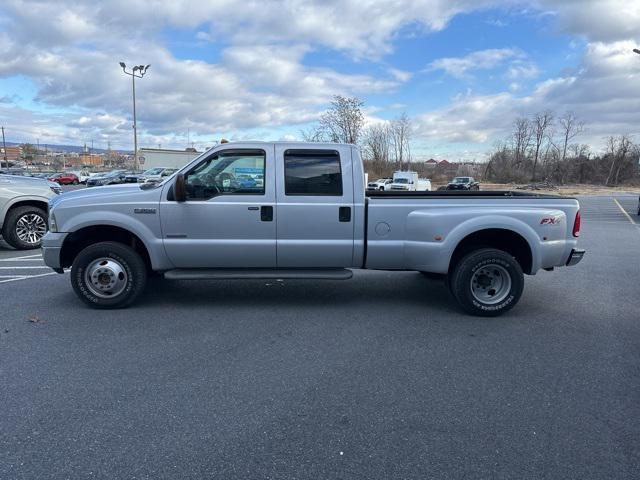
(163, 157)
(13, 153)
(90, 160)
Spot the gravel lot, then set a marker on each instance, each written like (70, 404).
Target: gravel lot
(377, 377)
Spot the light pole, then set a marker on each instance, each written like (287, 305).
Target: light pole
(139, 72)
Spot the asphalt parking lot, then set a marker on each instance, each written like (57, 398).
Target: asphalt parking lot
(377, 377)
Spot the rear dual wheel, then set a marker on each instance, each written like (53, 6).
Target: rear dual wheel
(487, 282)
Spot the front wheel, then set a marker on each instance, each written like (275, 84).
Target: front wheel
(487, 282)
(24, 227)
(108, 275)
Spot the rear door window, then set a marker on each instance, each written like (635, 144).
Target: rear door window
(312, 172)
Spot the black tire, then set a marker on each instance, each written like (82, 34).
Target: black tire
(75, 182)
(10, 228)
(381, 189)
(133, 266)
(466, 268)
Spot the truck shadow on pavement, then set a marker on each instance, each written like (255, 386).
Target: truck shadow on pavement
(378, 290)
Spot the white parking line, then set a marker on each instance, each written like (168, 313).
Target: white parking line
(26, 277)
(625, 212)
(23, 268)
(21, 259)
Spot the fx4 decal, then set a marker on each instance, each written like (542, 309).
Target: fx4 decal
(551, 220)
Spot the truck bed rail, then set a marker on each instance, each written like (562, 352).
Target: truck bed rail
(461, 194)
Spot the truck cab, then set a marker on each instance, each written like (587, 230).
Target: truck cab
(302, 184)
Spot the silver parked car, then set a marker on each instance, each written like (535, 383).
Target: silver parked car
(23, 209)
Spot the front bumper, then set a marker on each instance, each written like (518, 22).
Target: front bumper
(51, 250)
(575, 256)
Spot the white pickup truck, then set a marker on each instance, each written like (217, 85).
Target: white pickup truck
(308, 217)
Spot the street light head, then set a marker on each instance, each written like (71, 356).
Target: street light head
(123, 65)
(135, 68)
(636, 51)
(146, 68)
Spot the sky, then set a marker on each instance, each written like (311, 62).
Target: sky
(463, 70)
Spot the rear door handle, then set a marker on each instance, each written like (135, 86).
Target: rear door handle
(344, 214)
(266, 214)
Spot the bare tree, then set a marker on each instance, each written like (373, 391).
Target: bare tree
(541, 125)
(376, 142)
(619, 149)
(581, 154)
(570, 127)
(343, 121)
(400, 138)
(522, 134)
(313, 134)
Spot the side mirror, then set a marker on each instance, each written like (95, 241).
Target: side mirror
(180, 188)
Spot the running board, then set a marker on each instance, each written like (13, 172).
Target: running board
(242, 274)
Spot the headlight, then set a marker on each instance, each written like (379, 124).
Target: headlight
(53, 225)
(55, 188)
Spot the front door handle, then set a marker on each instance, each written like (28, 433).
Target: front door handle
(344, 214)
(266, 214)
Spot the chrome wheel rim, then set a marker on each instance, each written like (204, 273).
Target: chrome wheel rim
(30, 228)
(491, 284)
(106, 277)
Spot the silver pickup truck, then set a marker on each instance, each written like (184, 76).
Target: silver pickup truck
(300, 210)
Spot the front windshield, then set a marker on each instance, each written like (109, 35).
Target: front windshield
(153, 171)
(461, 180)
(401, 180)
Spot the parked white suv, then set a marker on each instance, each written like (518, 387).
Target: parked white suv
(23, 209)
(381, 184)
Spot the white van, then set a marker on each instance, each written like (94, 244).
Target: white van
(424, 185)
(404, 181)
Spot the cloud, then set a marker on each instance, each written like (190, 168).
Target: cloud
(261, 81)
(348, 25)
(461, 67)
(400, 75)
(602, 92)
(250, 87)
(597, 20)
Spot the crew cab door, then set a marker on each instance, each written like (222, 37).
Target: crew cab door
(228, 219)
(314, 206)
